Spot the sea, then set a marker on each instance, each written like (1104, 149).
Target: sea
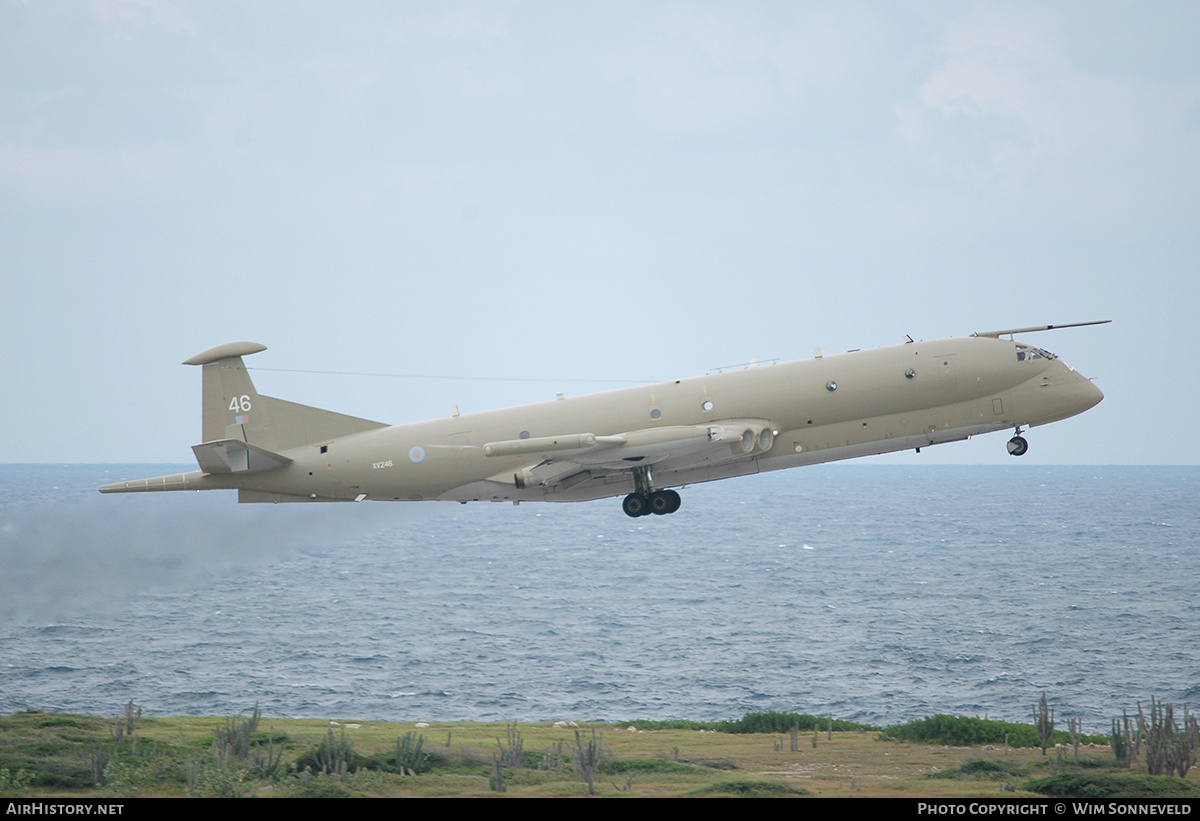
(875, 593)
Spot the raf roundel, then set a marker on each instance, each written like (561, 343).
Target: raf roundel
(417, 454)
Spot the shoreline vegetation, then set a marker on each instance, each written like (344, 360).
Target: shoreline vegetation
(767, 754)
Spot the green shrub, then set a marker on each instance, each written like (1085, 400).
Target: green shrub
(323, 786)
(768, 722)
(1078, 785)
(673, 724)
(968, 731)
(775, 722)
(641, 765)
(209, 778)
(749, 789)
(385, 761)
(54, 750)
(14, 783)
(980, 769)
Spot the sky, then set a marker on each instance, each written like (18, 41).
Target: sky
(494, 202)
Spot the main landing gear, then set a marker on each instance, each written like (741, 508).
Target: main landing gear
(645, 500)
(1017, 446)
(660, 503)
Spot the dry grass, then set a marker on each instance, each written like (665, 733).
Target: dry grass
(852, 764)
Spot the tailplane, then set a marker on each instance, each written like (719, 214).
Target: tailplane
(244, 431)
(232, 410)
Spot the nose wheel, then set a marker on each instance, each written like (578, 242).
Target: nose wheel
(1017, 446)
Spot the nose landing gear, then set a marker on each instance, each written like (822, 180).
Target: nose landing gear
(1017, 446)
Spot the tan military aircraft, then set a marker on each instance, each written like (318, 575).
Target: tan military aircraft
(638, 442)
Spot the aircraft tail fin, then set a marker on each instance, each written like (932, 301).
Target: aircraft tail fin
(232, 409)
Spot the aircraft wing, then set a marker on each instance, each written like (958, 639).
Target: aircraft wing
(555, 459)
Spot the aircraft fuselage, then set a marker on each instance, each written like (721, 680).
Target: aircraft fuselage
(634, 440)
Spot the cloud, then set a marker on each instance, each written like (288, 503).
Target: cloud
(128, 17)
(705, 70)
(52, 174)
(1006, 112)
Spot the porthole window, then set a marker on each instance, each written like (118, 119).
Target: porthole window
(831, 386)
(910, 373)
(707, 405)
(524, 434)
(656, 414)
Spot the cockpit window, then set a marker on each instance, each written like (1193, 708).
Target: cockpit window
(1026, 352)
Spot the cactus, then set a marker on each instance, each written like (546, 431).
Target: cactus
(1073, 727)
(585, 757)
(496, 781)
(267, 767)
(99, 762)
(1186, 743)
(554, 758)
(410, 758)
(1125, 740)
(514, 754)
(335, 756)
(1043, 722)
(131, 717)
(1169, 748)
(232, 742)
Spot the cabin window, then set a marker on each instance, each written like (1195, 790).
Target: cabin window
(910, 374)
(1025, 352)
(324, 448)
(656, 414)
(707, 405)
(524, 434)
(831, 386)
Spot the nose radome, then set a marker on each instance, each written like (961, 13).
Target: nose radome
(1083, 392)
(1062, 392)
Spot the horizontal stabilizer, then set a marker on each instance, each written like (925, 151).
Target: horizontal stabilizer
(194, 480)
(232, 456)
